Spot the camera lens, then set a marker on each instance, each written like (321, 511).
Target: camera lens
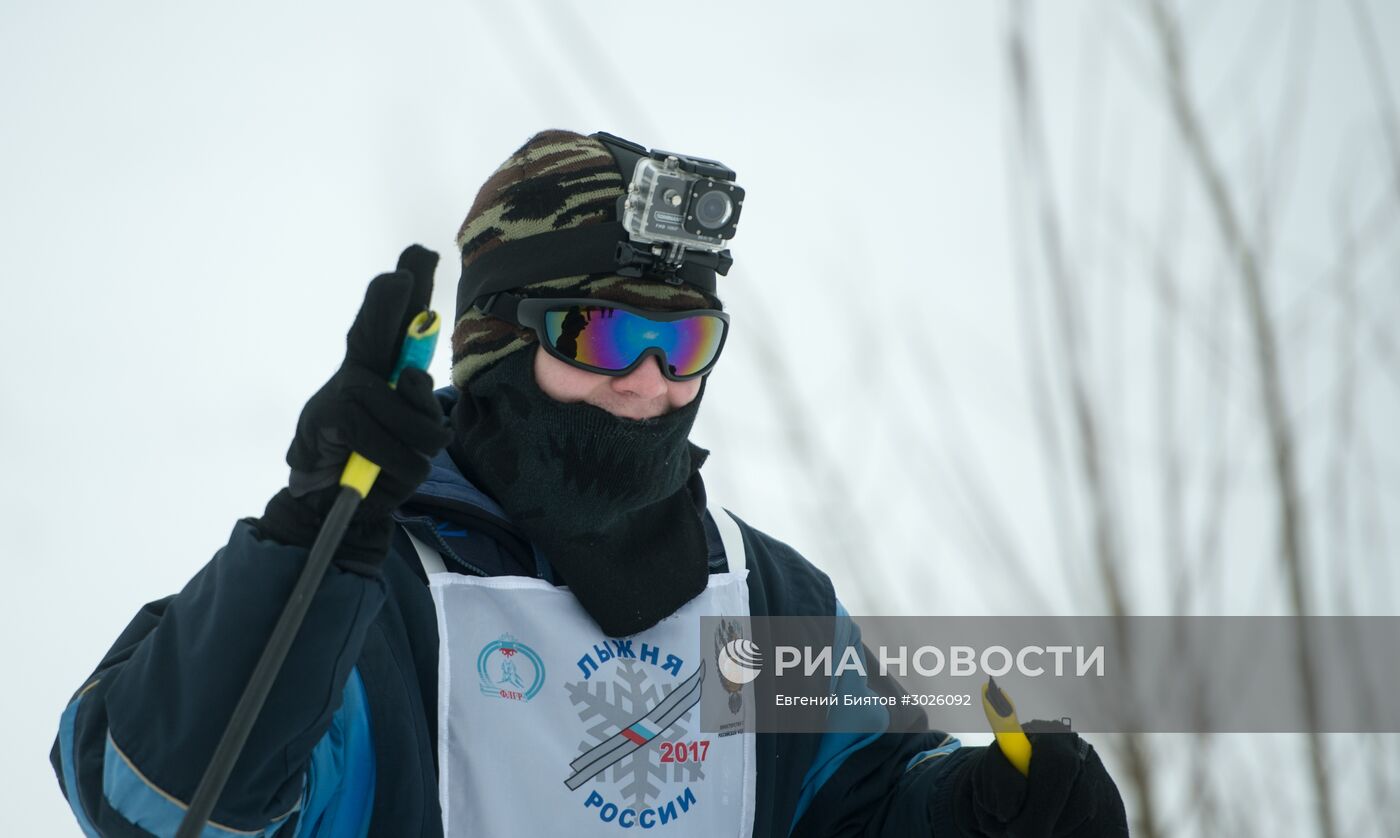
(713, 209)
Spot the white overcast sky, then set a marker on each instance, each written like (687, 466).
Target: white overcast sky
(193, 196)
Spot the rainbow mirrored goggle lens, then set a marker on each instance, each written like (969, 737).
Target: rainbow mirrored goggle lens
(612, 339)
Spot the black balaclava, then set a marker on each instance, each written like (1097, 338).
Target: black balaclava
(603, 498)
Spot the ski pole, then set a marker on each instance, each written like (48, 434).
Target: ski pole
(1001, 713)
(355, 482)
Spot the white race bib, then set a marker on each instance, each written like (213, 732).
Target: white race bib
(548, 727)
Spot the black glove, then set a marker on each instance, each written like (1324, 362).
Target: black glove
(1068, 792)
(356, 410)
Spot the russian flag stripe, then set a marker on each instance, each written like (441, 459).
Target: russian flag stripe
(639, 734)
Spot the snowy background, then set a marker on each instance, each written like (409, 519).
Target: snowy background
(940, 263)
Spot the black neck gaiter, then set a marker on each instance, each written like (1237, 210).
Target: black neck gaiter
(603, 498)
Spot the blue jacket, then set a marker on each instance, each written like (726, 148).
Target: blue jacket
(351, 719)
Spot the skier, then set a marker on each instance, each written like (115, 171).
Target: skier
(543, 517)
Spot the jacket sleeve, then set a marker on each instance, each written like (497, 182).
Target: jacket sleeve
(135, 739)
(877, 767)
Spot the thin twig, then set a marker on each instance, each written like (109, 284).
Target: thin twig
(1069, 336)
(1380, 85)
(1280, 437)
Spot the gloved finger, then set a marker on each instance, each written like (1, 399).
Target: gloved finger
(382, 445)
(321, 446)
(304, 481)
(997, 787)
(416, 387)
(1045, 726)
(1081, 804)
(389, 492)
(376, 336)
(1056, 765)
(305, 448)
(418, 426)
(421, 430)
(1096, 807)
(420, 263)
(1057, 745)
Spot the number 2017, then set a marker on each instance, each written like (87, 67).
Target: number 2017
(685, 751)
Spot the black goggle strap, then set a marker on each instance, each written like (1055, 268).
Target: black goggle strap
(507, 307)
(501, 305)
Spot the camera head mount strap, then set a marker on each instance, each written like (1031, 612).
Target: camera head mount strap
(625, 152)
(592, 249)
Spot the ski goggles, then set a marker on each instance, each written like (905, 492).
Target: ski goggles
(614, 339)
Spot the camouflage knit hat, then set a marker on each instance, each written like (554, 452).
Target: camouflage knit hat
(558, 180)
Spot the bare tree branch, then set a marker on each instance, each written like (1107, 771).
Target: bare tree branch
(1290, 510)
(1380, 85)
(1066, 306)
(1069, 337)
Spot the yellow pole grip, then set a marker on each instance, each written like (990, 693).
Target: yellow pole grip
(359, 474)
(1001, 714)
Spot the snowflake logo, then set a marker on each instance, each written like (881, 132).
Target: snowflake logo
(608, 707)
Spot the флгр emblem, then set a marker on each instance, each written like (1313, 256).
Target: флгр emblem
(509, 669)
